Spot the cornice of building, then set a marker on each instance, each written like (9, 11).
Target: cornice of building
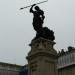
(63, 52)
(9, 64)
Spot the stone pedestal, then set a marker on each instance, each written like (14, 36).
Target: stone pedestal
(42, 58)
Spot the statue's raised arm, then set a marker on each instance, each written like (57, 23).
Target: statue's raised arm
(31, 9)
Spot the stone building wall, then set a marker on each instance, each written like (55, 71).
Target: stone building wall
(66, 62)
(9, 69)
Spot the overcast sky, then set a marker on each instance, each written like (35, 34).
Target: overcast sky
(16, 30)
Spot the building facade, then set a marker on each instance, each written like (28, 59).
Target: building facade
(65, 65)
(9, 69)
(66, 62)
(24, 70)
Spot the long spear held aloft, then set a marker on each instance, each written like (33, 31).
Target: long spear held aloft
(31, 5)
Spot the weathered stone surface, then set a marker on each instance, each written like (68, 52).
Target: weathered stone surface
(42, 57)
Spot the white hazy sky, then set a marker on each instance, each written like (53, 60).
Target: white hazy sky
(16, 30)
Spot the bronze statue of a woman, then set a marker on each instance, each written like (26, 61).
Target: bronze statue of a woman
(38, 17)
(38, 20)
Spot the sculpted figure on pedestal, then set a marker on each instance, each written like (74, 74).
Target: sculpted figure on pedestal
(38, 20)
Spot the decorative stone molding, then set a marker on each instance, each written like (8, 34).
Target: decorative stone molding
(41, 55)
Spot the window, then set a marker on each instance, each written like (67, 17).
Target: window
(69, 71)
(60, 72)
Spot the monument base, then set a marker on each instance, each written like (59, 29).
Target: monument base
(42, 58)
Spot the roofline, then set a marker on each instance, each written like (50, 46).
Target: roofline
(9, 64)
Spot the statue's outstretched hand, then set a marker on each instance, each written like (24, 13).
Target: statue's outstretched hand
(33, 4)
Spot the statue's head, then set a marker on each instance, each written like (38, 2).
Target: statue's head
(37, 8)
